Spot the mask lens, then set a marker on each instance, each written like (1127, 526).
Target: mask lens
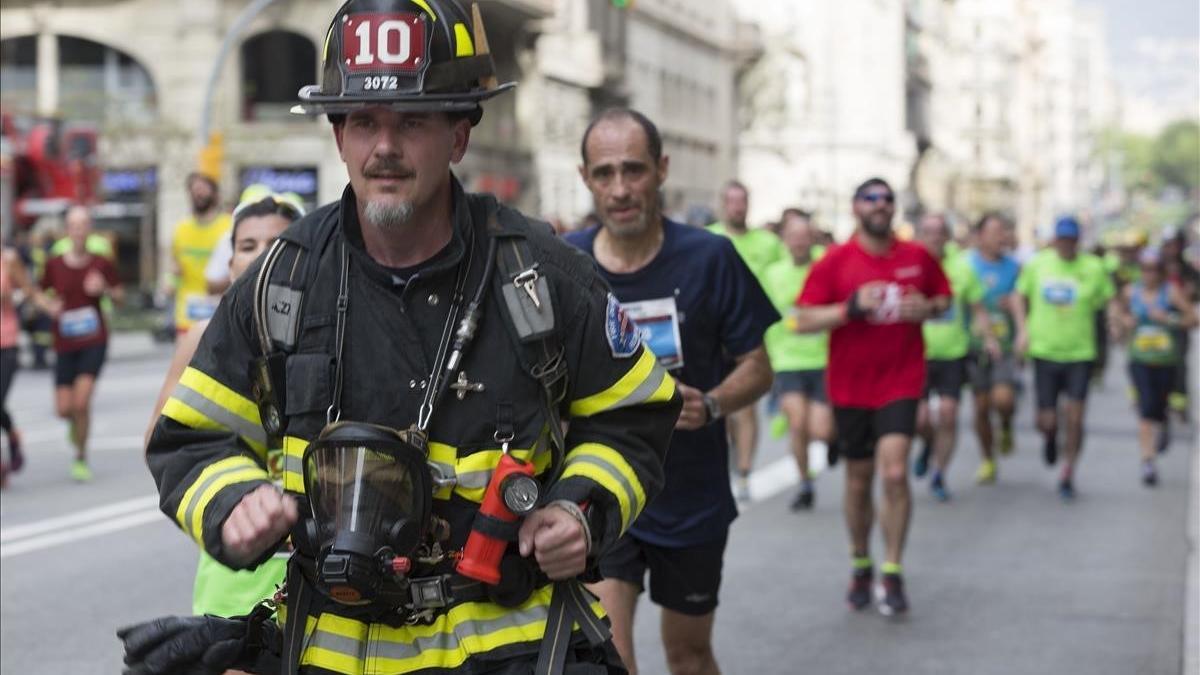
(354, 488)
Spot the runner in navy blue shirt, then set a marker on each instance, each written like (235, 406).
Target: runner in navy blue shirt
(703, 313)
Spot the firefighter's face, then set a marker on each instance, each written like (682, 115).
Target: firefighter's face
(398, 161)
(623, 177)
(251, 237)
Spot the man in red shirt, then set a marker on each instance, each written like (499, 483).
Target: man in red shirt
(872, 293)
(78, 280)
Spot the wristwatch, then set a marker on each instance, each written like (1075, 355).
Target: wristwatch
(713, 408)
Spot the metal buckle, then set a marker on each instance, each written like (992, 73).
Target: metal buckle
(429, 592)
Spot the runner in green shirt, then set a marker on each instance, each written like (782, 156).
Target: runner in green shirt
(1062, 291)
(798, 360)
(947, 341)
(759, 248)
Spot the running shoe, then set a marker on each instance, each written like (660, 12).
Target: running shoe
(804, 499)
(921, 466)
(1066, 490)
(986, 475)
(890, 595)
(1050, 449)
(859, 595)
(1149, 474)
(80, 472)
(1006, 441)
(14, 449)
(742, 491)
(937, 488)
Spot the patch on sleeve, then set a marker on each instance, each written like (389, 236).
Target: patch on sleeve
(623, 335)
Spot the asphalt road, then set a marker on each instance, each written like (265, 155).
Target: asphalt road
(1003, 579)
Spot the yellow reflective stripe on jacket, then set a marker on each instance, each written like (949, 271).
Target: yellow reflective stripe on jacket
(293, 463)
(200, 402)
(646, 382)
(607, 467)
(348, 646)
(470, 473)
(473, 472)
(214, 477)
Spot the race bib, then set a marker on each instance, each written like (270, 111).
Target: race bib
(658, 324)
(999, 324)
(1060, 292)
(889, 310)
(79, 323)
(1152, 340)
(201, 307)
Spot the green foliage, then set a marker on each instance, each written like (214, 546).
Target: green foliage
(1176, 156)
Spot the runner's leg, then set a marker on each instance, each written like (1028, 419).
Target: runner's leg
(81, 406)
(983, 424)
(897, 501)
(619, 599)
(744, 431)
(687, 641)
(797, 407)
(858, 505)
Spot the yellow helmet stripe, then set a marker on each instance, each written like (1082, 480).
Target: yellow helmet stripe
(428, 10)
(463, 46)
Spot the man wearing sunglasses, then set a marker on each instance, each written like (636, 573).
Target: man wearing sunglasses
(873, 293)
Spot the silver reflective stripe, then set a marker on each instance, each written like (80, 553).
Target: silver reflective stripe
(191, 507)
(216, 413)
(644, 390)
(635, 506)
(450, 640)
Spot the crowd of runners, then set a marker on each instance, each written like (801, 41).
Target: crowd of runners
(858, 347)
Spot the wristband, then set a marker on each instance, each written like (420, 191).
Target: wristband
(578, 514)
(852, 310)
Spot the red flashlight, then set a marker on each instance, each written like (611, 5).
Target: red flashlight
(511, 493)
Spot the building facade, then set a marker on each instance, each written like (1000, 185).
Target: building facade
(824, 107)
(146, 92)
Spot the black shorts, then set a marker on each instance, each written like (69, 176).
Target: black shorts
(859, 429)
(985, 372)
(1053, 378)
(685, 580)
(945, 378)
(68, 366)
(808, 383)
(1153, 385)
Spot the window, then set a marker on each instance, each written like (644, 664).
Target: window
(97, 83)
(275, 65)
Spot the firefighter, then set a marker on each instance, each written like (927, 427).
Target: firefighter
(420, 366)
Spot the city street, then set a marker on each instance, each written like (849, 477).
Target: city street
(1003, 579)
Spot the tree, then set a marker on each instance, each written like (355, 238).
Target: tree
(1176, 156)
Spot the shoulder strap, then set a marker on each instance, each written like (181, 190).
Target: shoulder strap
(529, 311)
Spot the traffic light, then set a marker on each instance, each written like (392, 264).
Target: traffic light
(622, 4)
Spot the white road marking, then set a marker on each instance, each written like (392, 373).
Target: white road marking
(78, 518)
(82, 532)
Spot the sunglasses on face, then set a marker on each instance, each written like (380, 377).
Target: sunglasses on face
(879, 197)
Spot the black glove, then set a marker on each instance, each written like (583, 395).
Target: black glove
(199, 645)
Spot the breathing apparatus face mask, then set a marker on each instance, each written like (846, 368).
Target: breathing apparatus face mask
(371, 495)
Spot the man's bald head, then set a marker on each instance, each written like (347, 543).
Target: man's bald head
(79, 226)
